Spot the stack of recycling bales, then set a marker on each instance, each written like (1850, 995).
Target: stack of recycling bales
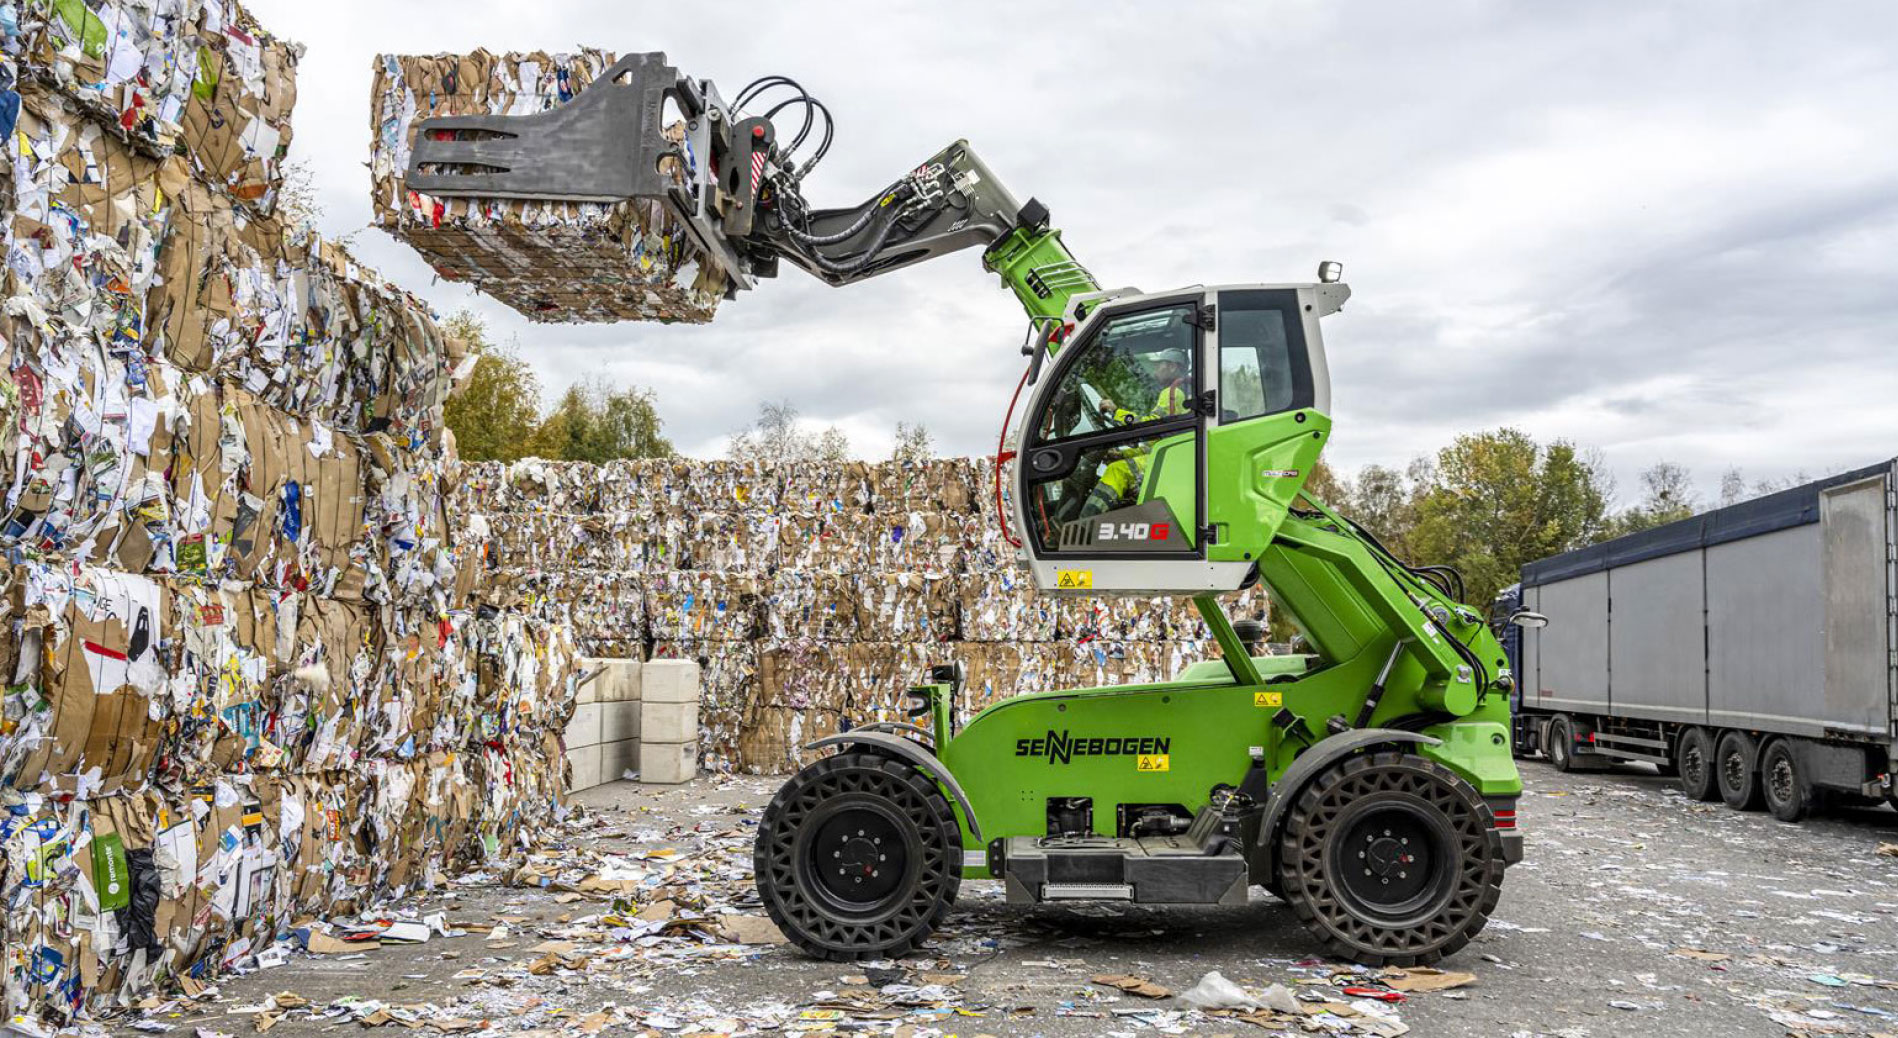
(810, 594)
(250, 677)
(550, 260)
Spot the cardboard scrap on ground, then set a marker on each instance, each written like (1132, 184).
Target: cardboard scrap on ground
(321, 943)
(752, 929)
(1424, 979)
(1132, 985)
(1702, 955)
(1888, 850)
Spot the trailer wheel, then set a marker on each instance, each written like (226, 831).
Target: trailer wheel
(1737, 768)
(858, 857)
(1391, 859)
(1788, 795)
(1559, 743)
(1693, 755)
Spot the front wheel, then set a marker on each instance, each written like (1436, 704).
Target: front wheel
(1391, 859)
(858, 857)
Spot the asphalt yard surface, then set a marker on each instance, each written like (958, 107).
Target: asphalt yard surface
(1636, 911)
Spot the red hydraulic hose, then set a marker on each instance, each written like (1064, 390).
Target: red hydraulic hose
(1003, 457)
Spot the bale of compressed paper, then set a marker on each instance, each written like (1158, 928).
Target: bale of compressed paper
(248, 684)
(551, 260)
(200, 76)
(812, 595)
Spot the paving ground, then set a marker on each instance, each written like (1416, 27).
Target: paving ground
(1636, 912)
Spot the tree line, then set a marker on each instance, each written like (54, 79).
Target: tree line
(1492, 501)
(495, 414)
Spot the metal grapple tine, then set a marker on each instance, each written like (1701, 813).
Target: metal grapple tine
(604, 145)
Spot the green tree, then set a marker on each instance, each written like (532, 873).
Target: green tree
(1498, 499)
(596, 422)
(496, 409)
(1384, 501)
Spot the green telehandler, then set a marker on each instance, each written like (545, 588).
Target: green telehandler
(1159, 443)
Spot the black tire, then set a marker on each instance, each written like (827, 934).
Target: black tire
(873, 809)
(1693, 756)
(1559, 743)
(1737, 769)
(1783, 783)
(1350, 836)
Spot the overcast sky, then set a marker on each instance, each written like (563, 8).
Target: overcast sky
(1666, 231)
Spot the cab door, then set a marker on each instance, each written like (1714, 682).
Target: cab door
(1111, 488)
(1272, 394)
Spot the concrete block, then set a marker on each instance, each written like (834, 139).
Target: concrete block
(669, 763)
(618, 680)
(584, 729)
(668, 722)
(669, 681)
(618, 758)
(586, 766)
(619, 720)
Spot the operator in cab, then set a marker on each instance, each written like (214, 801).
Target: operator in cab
(1120, 481)
(1169, 373)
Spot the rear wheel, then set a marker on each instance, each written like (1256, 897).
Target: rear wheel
(1694, 757)
(1736, 767)
(1560, 743)
(1783, 783)
(1391, 859)
(858, 856)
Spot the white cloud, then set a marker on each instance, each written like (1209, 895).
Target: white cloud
(1665, 230)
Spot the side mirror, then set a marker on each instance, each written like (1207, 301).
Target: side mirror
(1528, 618)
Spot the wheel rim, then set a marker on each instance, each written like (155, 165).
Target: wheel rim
(857, 858)
(1733, 769)
(1694, 765)
(1780, 780)
(1390, 862)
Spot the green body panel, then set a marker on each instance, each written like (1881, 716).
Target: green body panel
(1038, 268)
(1253, 471)
(1267, 666)
(1173, 476)
(1204, 725)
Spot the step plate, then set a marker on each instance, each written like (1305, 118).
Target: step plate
(1155, 871)
(1087, 892)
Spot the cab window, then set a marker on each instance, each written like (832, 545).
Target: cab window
(1262, 364)
(1137, 369)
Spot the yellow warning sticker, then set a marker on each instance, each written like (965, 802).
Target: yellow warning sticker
(1073, 579)
(1153, 762)
(1268, 699)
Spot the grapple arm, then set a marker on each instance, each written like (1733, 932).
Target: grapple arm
(645, 131)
